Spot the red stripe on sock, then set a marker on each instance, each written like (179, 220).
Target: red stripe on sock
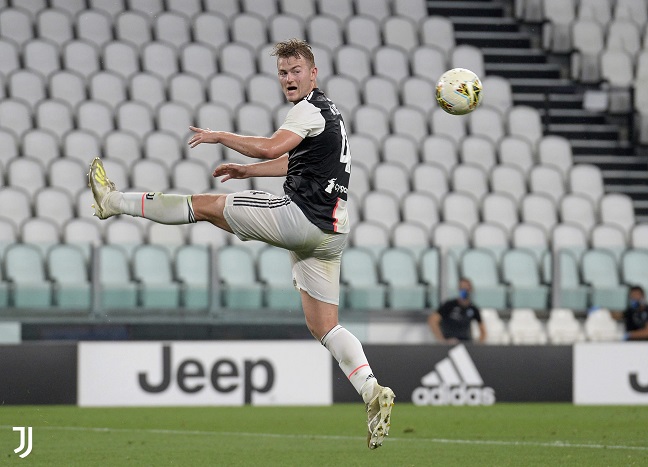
(143, 195)
(357, 369)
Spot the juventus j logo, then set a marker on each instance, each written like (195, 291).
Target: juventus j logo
(24, 440)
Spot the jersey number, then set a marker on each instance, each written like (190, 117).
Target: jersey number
(345, 154)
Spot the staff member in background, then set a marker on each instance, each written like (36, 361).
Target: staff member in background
(635, 316)
(451, 322)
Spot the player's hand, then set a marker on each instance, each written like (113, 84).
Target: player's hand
(202, 136)
(452, 341)
(230, 170)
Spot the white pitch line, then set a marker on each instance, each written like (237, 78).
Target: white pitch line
(483, 442)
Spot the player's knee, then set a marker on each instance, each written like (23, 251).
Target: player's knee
(209, 207)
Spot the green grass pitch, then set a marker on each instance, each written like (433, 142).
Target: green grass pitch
(500, 435)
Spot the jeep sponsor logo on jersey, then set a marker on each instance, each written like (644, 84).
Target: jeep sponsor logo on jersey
(454, 381)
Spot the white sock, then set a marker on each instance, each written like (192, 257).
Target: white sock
(347, 350)
(158, 207)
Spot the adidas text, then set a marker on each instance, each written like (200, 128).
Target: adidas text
(453, 395)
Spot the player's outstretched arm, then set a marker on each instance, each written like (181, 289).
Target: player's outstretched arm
(273, 168)
(280, 143)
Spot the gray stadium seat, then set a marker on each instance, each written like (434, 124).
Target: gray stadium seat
(359, 274)
(24, 266)
(398, 270)
(275, 271)
(67, 267)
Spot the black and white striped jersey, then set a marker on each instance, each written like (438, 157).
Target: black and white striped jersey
(320, 166)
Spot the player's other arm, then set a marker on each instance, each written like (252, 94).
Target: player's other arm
(259, 147)
(639, 334)
(272, 168)
(434, 321)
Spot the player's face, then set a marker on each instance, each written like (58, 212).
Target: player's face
(297, 78)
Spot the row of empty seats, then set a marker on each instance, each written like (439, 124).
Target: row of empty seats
(562, 327)
(133, 275)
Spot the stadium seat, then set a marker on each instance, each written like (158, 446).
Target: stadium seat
(411, 236)
(175, 118)
(448, 125)
(480, 266)
(524, 121)
(169, 237)
(478, 151)
(172, 27)
(8, 147)
(121, 147)
(617, 69)
(362, 31)
(508, 180)
(617, 209)
(420, 208)
(253, 119)
(633, 10)
(402, 32)
(391, 177)
(438, 31)
(192, 268)
(600, 326)
(211, 29)
(530, 237)
(67, 267)
(150, 175)
(188, 89)
(525, 328)
(160, 59)
(371, 236)
(264, 90)
(55, 26)
(27, 174)
(81, 57)
(588, 43)
(500, 209)
(596, 10)
(191, 176)
(449, 236)
(41, 233)
(399, 149)
(152, 269)
(460, 208)
(341, 10)
(199, 60)
(125, 232)
(563, 327)
(25, 268)
(240, 289)
(500, 94)
(275, 272)
(359, 274)
(8, 235)
(109, 7)
(398, 270)
(548, 181)
(539, 209)
(639, 236)
(15, 204)
(429, 61)
(487, 122)
(520, 270)
(121, 57)
(624, 34)
(163, 147)
(238, 60)
(610, 238)
(578, 209)
(54, 204)
(16, 116)
(382, 208)
(601, 272)
(568, 236)
(136, 118)
(353, 62)
(285, 26)
(84, 234)
(429, 272)
(249, 29)
(418, 93)
(54, 116)
(468, 56)
(300, 8)
(491, 237)
(440, 150)
(96, 117)
(94, 26)
(68, 175)
(375, 9)
(410, 122)
(16, 25)
(587, 180)
(360, 182)
(27, 86)
(556, 151)
(517, 152)
(41, 145)
(496, 332)
(569, 292)
(469, 179)
(274, 185)
(325, 30)
(633, 267)
(133, 27)
(371, 121)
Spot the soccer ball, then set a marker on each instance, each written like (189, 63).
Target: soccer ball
(458, 91)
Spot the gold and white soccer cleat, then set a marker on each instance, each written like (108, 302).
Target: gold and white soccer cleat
(379, 416)
(101, 187)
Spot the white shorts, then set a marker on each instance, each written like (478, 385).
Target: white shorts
(315, 254)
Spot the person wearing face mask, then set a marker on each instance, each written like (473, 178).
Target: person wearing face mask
(635, 316)
(451, 323)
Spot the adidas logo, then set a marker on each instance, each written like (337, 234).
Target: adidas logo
(454, 381)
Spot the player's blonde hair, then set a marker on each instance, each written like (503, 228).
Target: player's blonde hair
(294, 48)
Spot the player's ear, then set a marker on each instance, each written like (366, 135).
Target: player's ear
(314, 73)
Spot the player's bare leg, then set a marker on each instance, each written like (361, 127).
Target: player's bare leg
(322, 321)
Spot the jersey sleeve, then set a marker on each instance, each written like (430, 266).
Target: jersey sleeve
(445, 308)
(304, 119)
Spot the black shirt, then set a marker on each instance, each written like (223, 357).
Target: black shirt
(319, 168)
(455, 319)
(635, 318)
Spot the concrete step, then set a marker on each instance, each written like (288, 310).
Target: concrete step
(573, 116)
(513, 55)
(485, 24)
(613, 162)
(466, 8)
(551, 86)
(524, 70)
(606, 147)
(586, 132)
(494, 39)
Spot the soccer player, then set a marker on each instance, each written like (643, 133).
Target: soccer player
(312, 150)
